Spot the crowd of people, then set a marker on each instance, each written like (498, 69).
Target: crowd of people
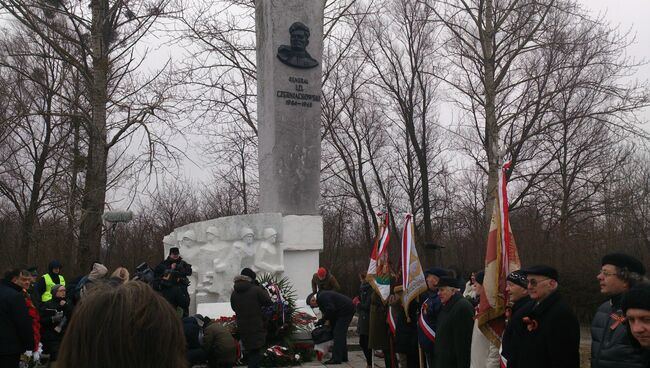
(115, 319)
(104, 319)
(441, 328)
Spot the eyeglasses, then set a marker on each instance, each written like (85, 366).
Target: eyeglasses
(535, 282)
(606, 273)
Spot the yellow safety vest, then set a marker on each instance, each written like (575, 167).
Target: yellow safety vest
(49, 283)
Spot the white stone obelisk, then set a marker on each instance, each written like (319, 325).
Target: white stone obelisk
(289, 59)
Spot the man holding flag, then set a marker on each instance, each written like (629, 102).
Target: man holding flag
(379, 269)
(415, 283)
(501, 258)
(379, 278)
(428, 312)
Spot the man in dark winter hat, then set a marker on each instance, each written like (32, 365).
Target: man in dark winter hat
(454, 326)
(181, 269)
(517, 289)
(250, 273)
(247, 300)
(174, 262)
(337, 310)
(548, 332)
(611, 345)
(636, 306)
(428, 312)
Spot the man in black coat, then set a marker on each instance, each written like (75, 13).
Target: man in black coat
(455, 322)
(611, 346)
(16, 334)
(636, 306)
(337, 310)
(547, 330)
(181, 269)
(168, 287)
(517, 288)
(247, 300)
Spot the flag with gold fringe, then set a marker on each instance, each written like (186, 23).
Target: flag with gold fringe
(501, 258)
(379, 270)
(413, 281)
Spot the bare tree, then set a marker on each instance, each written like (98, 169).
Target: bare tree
(399, 42)
(512, 60)
(39, 133)
(100, 38)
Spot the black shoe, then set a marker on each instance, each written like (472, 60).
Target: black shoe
(331, 362)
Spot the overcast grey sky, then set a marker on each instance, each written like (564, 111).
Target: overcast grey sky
(633, 15)
(628, 14)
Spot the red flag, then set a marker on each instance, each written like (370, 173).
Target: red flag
(378, 270)
(501, 258)
(413, 282)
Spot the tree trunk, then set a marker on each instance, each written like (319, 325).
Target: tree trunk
(94, 195)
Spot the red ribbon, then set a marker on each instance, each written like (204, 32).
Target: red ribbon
(618, 319)
(530, 323)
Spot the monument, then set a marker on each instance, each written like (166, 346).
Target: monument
(288, 104)
(286, 237)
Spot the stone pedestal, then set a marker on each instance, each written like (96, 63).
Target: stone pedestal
(289, 52)
(267, 242)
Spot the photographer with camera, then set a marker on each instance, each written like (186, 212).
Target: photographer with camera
(55, 315)
(171, 288)
(144, 273)
(175, 262)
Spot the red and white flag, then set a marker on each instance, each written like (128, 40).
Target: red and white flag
(390, 319)
(378, 270)
(501, 258)
(413, 281)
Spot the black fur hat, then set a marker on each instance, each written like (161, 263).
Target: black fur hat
(637, 297)
(622, 260)
(248, 272)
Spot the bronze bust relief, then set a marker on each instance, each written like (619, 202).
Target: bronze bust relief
(295, 55)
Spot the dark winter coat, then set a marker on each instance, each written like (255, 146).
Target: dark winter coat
(454, 333)
(183, 268)
(510, 339)
(247, 300)
(378, 335)
(194, 353)
(363, 308)
(610, 343)
(172, 292)
(334, 305)
(51, 336)
(328, 283)
(406, 334)
(16, 334)
(431, 311)
(220, 345)
(553, 342)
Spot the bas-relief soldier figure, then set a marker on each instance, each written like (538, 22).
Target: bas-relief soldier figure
(269, 255)
(296, 55)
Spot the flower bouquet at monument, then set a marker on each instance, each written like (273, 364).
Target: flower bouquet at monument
(282, 321)
(279, 316)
